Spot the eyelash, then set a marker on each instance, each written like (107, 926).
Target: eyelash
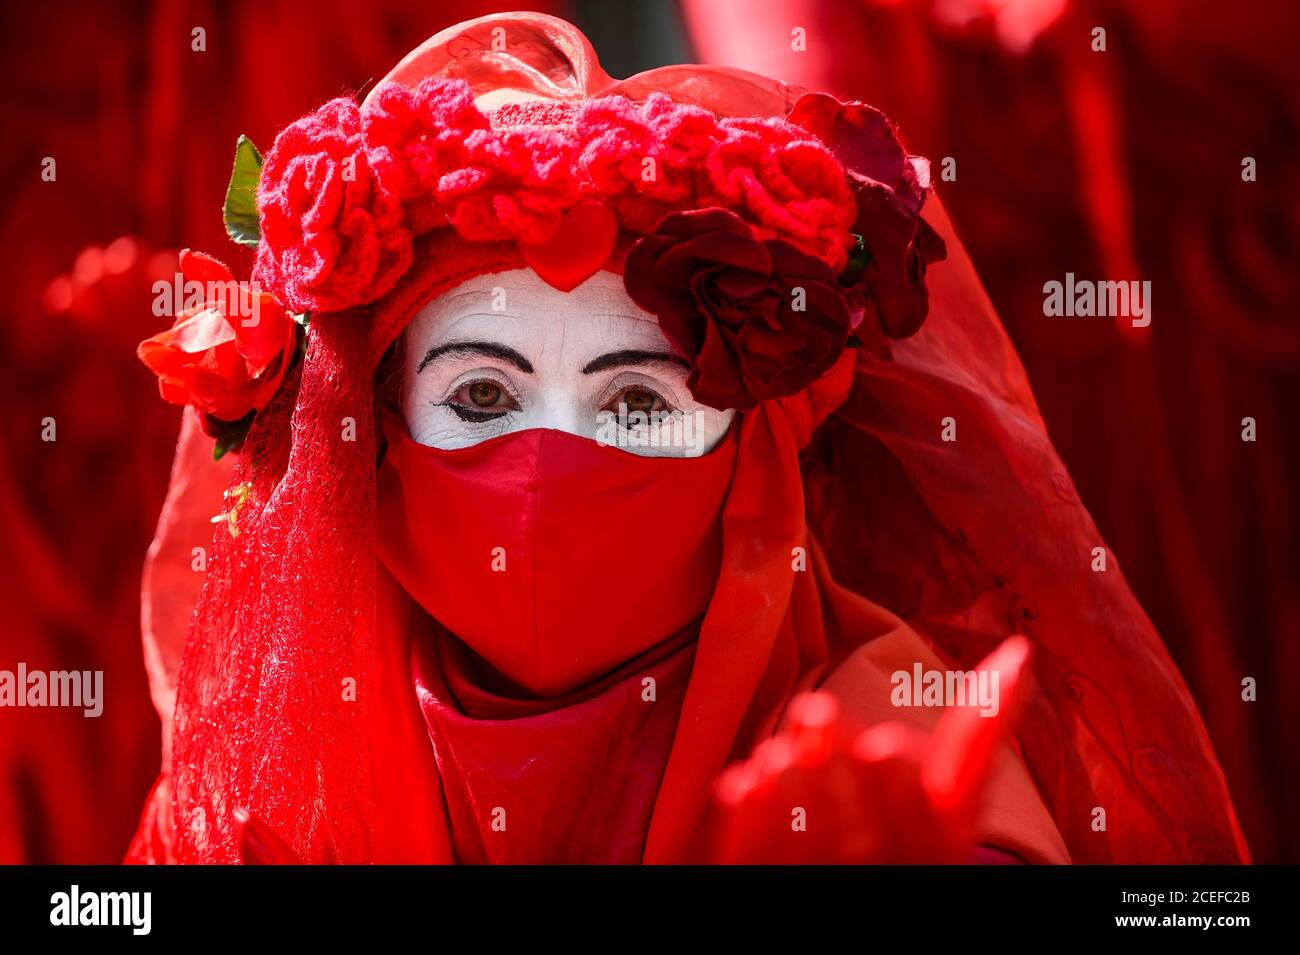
(668, 409)
(469, 414)
(475, 416)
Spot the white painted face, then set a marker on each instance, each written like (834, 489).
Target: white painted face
(506, 352)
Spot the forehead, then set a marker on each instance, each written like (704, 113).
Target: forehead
(518, 306)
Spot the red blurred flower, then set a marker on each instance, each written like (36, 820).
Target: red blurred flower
(889, 187)
(758, 318)
(227, 355)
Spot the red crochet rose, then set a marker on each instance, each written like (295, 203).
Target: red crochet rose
(332, 236)
(785, 182)
(889, 189)
(414, 137)
(758, 318)
(518, 184)
(644, 159)
(227, 355)
(344, 190)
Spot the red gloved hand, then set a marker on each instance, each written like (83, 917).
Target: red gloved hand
(824, 790)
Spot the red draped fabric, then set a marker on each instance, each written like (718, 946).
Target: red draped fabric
(1123, 164)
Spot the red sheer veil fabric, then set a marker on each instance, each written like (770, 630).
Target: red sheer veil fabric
(966, 540)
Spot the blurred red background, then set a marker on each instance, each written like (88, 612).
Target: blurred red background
(1123, 164)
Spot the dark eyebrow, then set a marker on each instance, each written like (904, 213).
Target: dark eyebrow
(621, 359)
(486, 349)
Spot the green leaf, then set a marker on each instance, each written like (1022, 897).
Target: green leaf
(221, 447)
(860, 257)
(240, 210)
(229, 434)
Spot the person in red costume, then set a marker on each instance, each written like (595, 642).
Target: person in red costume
(532, 553)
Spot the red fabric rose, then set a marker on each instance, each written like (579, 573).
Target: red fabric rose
(226, 356)
(332, 236)
(889, 189)
(730, 301)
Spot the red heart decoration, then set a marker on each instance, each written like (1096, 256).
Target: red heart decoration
(579, 246)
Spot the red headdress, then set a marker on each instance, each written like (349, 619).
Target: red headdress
(500, 143)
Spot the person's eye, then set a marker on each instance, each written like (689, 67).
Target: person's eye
(481, 400)
(640, 401)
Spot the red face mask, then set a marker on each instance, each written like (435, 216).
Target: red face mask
(552, 557)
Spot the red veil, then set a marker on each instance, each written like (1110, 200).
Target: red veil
(962, 541)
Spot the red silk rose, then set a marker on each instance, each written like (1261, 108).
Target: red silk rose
(332, 235)
(732, 303)
(227, 355)
(889, 187)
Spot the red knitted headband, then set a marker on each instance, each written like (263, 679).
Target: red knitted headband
(763, 245)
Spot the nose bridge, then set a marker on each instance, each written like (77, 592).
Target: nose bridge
(562, 409)
(560, 403)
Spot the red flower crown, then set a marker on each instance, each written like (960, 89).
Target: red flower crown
(766, 245)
